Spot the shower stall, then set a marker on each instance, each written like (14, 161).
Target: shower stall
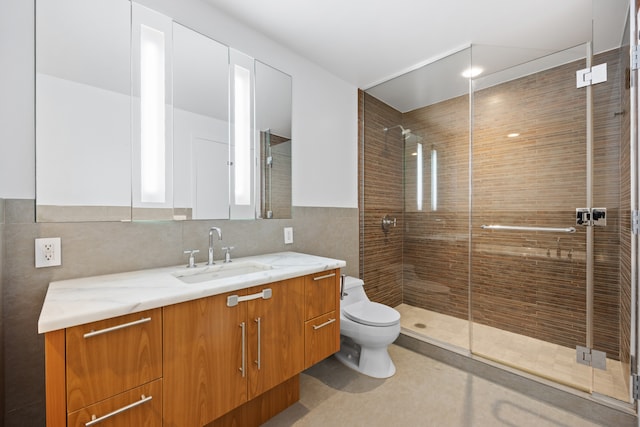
(496, 208)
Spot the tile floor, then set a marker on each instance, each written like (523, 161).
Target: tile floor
(423, 392)
(549, 361)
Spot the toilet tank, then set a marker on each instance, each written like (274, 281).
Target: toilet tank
(354, 291)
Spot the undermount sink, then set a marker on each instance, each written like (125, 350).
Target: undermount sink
(219, 271)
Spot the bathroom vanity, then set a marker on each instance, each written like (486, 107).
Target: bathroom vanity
(212, 345)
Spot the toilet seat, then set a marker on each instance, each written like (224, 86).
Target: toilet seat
(371, 313)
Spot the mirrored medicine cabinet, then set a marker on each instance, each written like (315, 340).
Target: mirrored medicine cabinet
(139, 117)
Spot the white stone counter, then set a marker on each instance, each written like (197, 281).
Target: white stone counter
(78, 301)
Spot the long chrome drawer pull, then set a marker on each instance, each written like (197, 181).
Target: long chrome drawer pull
(259, 322)
(521, 228)
(328, 322)
(115, 328)
(242, 368)
(233, 300)
(95, 420)
(326, 276)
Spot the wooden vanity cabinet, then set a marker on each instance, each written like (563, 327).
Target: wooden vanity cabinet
(91, 369)
(211, 361)
(218, 357)
(322, 307)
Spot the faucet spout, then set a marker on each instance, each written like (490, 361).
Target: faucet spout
(211, 230)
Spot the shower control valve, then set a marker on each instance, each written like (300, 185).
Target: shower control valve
(388, 222)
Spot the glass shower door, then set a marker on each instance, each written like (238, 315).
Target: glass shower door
(528, 258)
(547, 295)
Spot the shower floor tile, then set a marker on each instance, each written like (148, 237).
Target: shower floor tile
(550, 361)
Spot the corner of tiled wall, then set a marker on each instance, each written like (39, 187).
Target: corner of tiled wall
(2, 205)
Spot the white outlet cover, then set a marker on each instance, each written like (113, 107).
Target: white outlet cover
(288, 235)
(48, 252)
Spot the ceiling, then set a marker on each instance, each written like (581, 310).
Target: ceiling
(366, 42)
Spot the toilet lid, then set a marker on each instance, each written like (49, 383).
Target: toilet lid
(371, 313)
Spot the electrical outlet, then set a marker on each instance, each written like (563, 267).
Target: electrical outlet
(48, 252)
(288, 235)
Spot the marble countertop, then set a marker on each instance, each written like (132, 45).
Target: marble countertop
(78, 301)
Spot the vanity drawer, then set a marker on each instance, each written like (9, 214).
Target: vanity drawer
(321, 293)
(321, 338)
(111, 356)
(141, 406)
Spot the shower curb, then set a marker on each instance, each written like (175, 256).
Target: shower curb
(584, 407)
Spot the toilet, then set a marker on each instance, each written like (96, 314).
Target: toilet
(366, 330)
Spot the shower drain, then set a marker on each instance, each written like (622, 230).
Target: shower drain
(420, 325)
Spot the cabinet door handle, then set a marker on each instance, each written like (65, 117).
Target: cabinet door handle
(242, 368)
(328, 322)
(326, 276)
(118, 327)
(259, 322)
(96, 420)
(233, 300)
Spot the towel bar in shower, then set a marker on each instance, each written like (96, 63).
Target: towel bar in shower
(522, 228)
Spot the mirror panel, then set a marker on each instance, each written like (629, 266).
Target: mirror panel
(200, 126)
(83, 108)
(90, 107)
(273, 120)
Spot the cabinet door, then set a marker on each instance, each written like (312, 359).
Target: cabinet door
(112, 356)
(280, 334)
(202, 360)
(141, 406)
(321, 293)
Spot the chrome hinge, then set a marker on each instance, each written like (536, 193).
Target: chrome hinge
(635, 57)
(635, 387)
(590, 357)
(635, 222)
(591, 76)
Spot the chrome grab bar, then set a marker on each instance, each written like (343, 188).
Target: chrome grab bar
(96, 420)
(521, 228)
(116, 328)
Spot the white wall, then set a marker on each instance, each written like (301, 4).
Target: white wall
(324, 106)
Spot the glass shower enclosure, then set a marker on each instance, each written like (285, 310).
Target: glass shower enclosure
(510, 191)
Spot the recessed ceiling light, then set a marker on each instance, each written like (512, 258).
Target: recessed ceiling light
(513, 135)
(472, 72)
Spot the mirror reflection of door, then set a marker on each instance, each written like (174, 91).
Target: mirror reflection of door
(210, 179)
(201, 125)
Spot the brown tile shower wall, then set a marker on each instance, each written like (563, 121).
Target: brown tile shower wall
(436, 251)
(528, 283)
(625, 214)
(381, 157)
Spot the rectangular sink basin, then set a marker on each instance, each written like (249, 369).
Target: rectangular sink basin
(219, 271)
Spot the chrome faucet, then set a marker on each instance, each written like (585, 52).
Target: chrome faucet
(211, 230)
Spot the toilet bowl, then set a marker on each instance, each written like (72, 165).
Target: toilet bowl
(366, 330)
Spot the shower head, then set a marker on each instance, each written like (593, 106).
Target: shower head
(405, 132)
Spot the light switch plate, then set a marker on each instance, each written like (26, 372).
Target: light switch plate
(48, 252)
(288, 235)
